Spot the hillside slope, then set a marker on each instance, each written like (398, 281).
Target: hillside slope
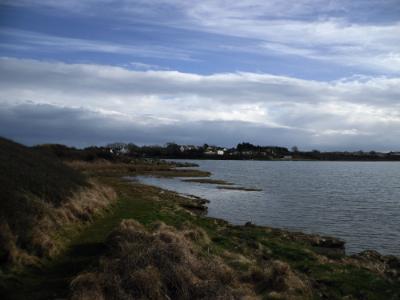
(38, 194)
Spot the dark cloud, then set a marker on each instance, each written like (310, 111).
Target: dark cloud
(37, 123)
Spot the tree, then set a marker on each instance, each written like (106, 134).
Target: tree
(245, 147)
(172, 149)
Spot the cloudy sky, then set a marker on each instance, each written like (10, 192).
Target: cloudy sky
(319, 74)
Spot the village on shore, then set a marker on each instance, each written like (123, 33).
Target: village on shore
(243, 151)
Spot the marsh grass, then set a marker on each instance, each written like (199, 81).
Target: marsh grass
(136, 167)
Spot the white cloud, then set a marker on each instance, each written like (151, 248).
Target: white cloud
(145, 67)
(44, 42)
(362, 107)
(366, 46)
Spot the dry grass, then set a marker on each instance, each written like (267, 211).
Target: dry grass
(81, 207)
(137, 167)
(279, 281)
(11, 253)
(166, 263)
(41, 238)
(162, 264)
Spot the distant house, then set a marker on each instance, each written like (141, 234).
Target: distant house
(220, 152)
(184, 148)
(287, 157)
(118, 148)
(210, 150)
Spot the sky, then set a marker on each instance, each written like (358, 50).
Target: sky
(318, 74)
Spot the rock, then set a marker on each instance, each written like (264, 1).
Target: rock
(387, 265)
(329, 246)
(393, 262)
(327, 242)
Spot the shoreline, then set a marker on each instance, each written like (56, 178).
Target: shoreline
(382, 245)
(200, 205)
(262, 262)
(232, 186)
(329, 250)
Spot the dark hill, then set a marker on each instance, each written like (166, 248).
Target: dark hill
(26, 170)
(31, 184)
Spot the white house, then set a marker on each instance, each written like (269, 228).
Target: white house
(184, 148)
(118, 148)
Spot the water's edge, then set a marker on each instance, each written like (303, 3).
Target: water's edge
(239, 207)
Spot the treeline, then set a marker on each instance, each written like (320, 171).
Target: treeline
(124, 151)
(347, 156)
(244, 150)
(71, 153)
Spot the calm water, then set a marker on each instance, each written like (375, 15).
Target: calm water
(357, 201)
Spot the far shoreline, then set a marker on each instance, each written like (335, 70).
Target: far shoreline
(273, 160)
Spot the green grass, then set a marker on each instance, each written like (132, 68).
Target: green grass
(334, 279)
(338, 281)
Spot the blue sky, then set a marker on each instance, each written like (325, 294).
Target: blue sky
(312, 73)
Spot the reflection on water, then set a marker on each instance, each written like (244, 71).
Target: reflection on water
(357, 201)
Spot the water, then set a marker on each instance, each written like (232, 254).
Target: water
(356, 201)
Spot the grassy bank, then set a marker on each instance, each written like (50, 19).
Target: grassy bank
(40, 195)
